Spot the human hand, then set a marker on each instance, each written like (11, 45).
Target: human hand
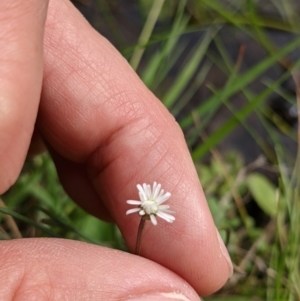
(106, 133)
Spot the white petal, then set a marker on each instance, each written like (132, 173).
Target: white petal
(142, 196)
(145, 187)
(142, 193)
(161, 192)
(142, 212)
(154, 187)
(145, 190)
(132, 210)
(156, 190)
(169, 218)
(148, 191)
(134, 202)
(167, 213)
(163, 207)
(163, 198)
(153, 220)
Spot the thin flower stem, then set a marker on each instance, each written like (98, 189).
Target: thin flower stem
(139, 235)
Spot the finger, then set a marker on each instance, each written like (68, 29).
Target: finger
(53, 269)
(37, 145)
(21, 40)
(78, 185)
(96, 112)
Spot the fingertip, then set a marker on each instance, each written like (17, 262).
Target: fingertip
(225, 253)
(21, 44)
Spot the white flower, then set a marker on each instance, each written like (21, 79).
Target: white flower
(150, 203)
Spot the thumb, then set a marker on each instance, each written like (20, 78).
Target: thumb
(57, 269)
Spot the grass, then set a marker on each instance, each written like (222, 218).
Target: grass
(258, 200)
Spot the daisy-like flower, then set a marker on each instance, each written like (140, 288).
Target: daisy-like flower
(150, 203)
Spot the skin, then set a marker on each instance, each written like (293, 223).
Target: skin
(106, 133)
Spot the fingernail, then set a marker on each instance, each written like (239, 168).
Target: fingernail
(160, 297)
(225, 253)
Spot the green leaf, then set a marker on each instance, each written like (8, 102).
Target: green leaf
(263, 192)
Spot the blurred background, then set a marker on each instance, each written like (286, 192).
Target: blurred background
(227, 71)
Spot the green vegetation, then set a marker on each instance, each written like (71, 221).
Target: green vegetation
(265, 241)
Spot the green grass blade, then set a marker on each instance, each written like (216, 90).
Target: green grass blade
(157, 62)
(213, 103)
(146, 33)
(29, 221)
(189, 69)
(223, 131)
(186, 97)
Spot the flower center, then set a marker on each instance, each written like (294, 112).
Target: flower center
(150, 207)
